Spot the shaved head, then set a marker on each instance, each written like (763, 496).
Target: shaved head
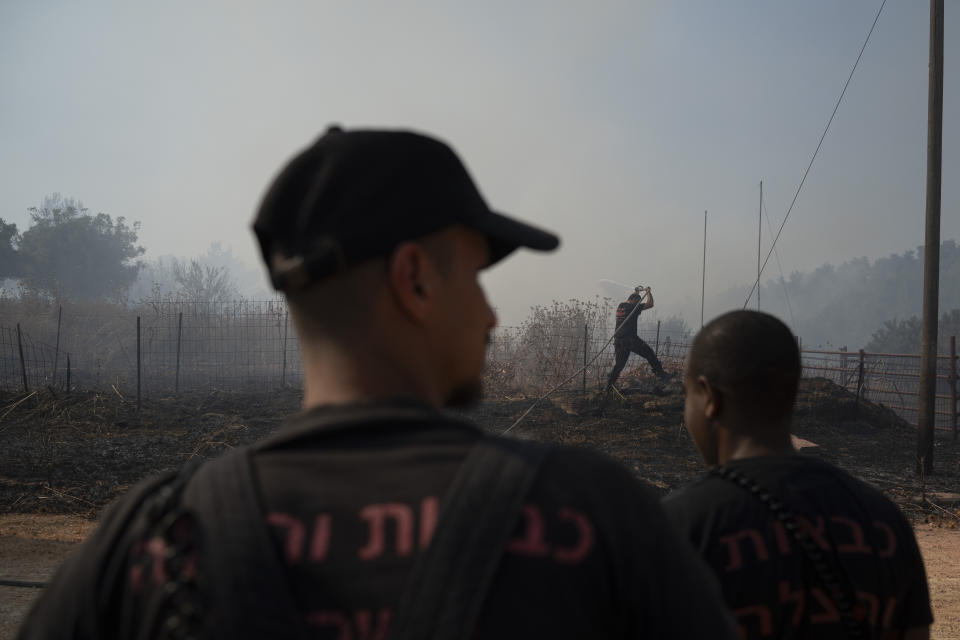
(340, 307)
(753, 359)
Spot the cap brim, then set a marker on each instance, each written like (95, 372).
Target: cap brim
(506, 235)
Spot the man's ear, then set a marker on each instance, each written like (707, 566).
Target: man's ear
(410, 277)
(713, 398)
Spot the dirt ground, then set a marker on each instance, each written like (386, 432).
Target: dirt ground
(33, 545)
(63, 458)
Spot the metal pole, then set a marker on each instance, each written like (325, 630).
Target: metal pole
(68, 372)
(585, 333)
(703, 286)
(56, 353)
(656, 348)
(759, 231)
(138, 364)
(23, 365)
(953, 385)
(931, 252)
(283, 371)
(176, 379)
(859, 377)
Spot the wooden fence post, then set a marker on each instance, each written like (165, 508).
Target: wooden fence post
(138, 364)
(176, 379)
(953, 385)
(585, 334)
(23, 365)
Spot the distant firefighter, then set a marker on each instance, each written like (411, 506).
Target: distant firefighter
(626, 340)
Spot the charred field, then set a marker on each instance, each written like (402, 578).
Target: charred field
(73, 454)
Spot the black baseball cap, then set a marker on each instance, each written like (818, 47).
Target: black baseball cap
(355, 195)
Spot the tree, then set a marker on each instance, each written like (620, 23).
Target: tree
(904, 336)
(67, 252)
(676, 327)
(896, 336)
(9, 258)
(204, 283)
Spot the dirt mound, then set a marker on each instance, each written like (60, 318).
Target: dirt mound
(642, 426)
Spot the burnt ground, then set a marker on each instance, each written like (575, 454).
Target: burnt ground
(72, 454)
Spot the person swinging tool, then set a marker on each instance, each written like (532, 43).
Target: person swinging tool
(626, 340)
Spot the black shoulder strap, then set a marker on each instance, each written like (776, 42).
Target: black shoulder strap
(251, 597)
(450, 580)
(830, 576)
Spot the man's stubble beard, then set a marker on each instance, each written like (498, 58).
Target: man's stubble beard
(466, 395)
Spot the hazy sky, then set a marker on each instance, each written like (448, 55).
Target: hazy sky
(615, 125)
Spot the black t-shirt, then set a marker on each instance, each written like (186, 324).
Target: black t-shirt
(350, 502)
(627, 323)
(767, 580)
(593, 555)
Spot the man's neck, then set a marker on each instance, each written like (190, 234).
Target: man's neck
(335, 376)
(773, 440)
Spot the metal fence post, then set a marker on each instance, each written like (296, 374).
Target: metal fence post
(68, 372)
(585, 333)
(56, 353)
(176, 379)
(138, 363)
(283, 371)
(859, 378)
(953, 385)
(656, 349)
(23, 365)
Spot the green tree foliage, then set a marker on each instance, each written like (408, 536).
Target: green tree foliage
(896, 336)
(904, 336)
(9, 258)
(846, 304)
(69, 253)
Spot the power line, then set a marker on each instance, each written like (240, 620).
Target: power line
(819, 144)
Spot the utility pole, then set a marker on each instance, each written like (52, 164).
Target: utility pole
(931, 251)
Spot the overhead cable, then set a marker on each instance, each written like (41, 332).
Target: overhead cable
(819, 144)
(776, 254)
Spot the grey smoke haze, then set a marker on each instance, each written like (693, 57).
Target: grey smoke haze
(616, 124)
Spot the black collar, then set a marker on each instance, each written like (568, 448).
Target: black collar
(374, 413)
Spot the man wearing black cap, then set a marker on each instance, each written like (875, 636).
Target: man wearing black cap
(372, 512)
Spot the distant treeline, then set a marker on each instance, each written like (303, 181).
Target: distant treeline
(863, 304)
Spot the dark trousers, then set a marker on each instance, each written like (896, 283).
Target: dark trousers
(623, 347)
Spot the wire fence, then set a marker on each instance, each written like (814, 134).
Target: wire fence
(164, 347)
(235, 346)
(528, 361)
(889, 379)
(26, 364)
